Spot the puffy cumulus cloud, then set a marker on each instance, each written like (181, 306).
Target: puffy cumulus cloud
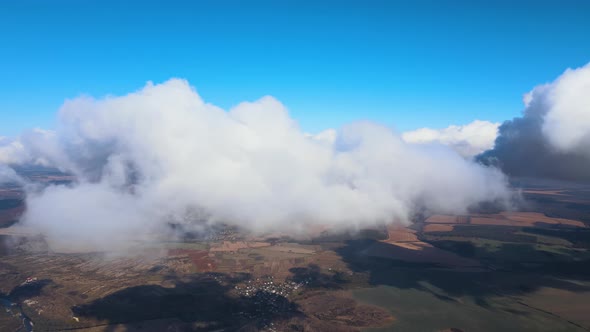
(163, 155)
(567, 122)
(32, 147)
(552, 138)
(8, 175)
(11, 151)
(468, 140)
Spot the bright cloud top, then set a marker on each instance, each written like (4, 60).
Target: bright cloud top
(468, 140)
(163, 155)
(567, 121)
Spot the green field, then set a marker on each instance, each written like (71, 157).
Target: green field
(417, 310)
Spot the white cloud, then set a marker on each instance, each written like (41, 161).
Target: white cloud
(567, 118)
(162, 154)
(327, 136)
(8, 175)
(11, 151)
(468, 140)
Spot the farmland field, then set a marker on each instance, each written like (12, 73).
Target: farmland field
(500, 271)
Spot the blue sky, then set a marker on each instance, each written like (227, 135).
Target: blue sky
(406, 64)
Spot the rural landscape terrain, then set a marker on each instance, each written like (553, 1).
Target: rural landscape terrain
(295, 166)
(527, 269)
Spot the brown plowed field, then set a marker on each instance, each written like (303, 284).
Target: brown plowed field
(438, 228)
(199, 258)
(524, 219)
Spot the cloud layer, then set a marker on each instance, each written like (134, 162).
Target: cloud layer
(163, 155)
(552, 138)
(468, 140)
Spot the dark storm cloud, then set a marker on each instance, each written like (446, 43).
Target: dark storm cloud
(551, 139)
